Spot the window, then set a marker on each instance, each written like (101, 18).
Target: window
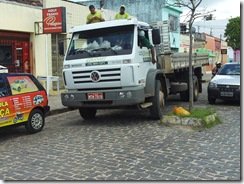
(3, 88)
(173, 23)
(21, 84)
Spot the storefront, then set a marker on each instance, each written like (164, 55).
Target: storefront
(15, 51)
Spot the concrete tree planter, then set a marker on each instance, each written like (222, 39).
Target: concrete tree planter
(196, 122)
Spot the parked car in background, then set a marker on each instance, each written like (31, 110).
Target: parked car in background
(225, 84)
(27, 106)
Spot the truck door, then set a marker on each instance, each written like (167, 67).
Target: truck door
(144, 44)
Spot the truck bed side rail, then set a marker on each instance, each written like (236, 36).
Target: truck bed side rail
(176, 61)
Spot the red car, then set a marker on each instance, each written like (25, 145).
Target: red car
(27, 106)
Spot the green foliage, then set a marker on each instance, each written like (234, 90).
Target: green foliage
(201, 112)
(233, 33)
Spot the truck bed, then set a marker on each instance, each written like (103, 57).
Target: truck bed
(176, 61)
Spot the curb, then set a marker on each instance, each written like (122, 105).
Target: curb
(58, 111)
(188, 121)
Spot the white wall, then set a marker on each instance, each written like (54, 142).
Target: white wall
(15, 17)
(21, 18)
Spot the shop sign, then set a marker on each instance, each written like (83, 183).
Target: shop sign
(54, 20)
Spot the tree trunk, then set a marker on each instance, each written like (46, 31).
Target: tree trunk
(190, 70)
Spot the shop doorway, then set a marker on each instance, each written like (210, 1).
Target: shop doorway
(15, 52)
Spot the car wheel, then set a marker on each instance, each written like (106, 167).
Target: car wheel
(158, 102)
(36, 121)
(211, 100)
(19, 89)
(88, 113)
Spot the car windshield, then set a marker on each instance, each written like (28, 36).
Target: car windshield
(230, 69)
(101, 42)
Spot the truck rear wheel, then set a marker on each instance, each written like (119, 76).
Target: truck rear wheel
(158, 102)
(195, 88)
(88, 113)
(184, 95)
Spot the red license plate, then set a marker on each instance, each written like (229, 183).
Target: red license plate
(94, 96)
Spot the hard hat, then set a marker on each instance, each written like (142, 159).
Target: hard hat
(218, 62)
(122, 6)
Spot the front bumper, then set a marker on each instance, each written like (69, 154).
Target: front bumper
(111, 98)
(217, 93)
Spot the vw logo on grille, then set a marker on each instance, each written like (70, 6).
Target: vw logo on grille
(95, 76)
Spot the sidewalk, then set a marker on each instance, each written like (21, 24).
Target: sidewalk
(56, 106)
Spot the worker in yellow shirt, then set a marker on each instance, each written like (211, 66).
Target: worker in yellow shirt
(94, 16)
(122, 14)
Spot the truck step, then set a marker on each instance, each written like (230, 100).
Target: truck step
(146, 105)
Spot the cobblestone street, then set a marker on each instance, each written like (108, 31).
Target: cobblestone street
(124, 145)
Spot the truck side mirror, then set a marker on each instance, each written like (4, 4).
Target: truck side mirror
(61, 48)
(156, 36)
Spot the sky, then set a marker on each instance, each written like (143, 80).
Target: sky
(222, 10)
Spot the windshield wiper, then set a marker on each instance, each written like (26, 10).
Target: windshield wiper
(81, 51)
(105, 49)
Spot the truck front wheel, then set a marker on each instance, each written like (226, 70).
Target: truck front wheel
(158, 102)
(88, 113)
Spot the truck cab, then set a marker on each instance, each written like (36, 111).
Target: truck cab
(106, 67)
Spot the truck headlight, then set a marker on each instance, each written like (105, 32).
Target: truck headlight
(212, 85)
(66, 66)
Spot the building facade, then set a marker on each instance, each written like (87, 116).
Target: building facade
(23, 46)
(152, 12)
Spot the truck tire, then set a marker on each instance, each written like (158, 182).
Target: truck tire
(184, 95)
(35, 121)
(88, 113)
(158, 102)
(195, 88)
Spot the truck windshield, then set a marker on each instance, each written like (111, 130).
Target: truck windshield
(101, 42)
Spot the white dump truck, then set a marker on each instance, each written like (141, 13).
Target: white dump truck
(105, 66)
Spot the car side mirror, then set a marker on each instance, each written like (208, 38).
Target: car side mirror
(156, 36)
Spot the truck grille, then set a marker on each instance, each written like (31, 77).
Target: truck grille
(102, 75)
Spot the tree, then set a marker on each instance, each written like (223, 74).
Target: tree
(233, 33)
(192, 5)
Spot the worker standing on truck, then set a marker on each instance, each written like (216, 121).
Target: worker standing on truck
(94, 16)
(122, 14)
(144, 42)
